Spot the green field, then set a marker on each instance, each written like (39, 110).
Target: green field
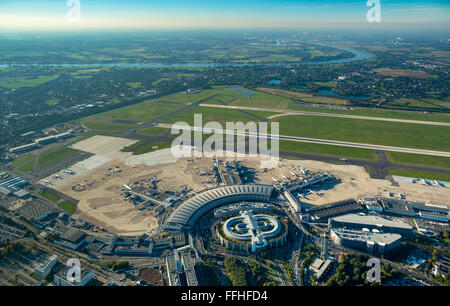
(311, 148)
(426, 160)
(364, 131)
(137, 150)
(220, 115)
(52, 102)
(19, 82)
(49, 196)
(25, 163)
(395, 114)
(126, 118)
(67, 207)
(49, 156)
(420, 174)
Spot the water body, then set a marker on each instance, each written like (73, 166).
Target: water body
(328, 92)
(274, 82)
(358, 56)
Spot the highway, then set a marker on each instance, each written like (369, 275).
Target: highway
(303, 113)
(315, 140)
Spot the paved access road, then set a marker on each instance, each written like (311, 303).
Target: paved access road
(293, 112)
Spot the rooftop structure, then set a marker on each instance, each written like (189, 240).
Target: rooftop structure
(189, 211)
(323, 212)
(61, 278)
(320, 267)
(416, 210)
(251, 228)
(189, 269)
(360, 221)
(237, 207)
(370, 241)
(42, 270)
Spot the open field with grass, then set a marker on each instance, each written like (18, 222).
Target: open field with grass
(432, 161)
(220, 115)
(420, 174)
(402, 73)
(311, 148)
(395, 114)
(67, 207)
(25, 163)
(49, 196)
(19, 82)
(364, 131)
(50, 156)
(128, 117)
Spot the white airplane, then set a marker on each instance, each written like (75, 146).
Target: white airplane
(301, 170)
(311, 192)
(293, 173)
(56, 176)
(47, 182)
(127, 187)
(300, 196)
(283, 176)
(275, 180)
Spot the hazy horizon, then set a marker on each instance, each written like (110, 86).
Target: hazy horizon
(201, 14)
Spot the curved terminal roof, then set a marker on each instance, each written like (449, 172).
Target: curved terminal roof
(189, 211)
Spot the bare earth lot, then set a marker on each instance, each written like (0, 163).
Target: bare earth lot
(102, 201)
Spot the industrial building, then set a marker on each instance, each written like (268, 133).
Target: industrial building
(13, 186)
(294, 206)
(323, 212)
(61, 278)
(181, 270)
(43, 270)
(361, 221)
(321, 267)
(366, 240)
(416, 210)
(188, 212)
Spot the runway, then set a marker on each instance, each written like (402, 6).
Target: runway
(299, 113)
(316, 141)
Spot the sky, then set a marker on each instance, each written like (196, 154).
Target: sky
(211, 14)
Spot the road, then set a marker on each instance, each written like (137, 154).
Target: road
(303, 113)
(315, 140)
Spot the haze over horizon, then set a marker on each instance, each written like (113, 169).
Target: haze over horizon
(203, 14)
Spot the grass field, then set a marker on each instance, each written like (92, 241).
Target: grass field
(52, 102)
(432, 161)
(49, 156)
(363, 131)
(67, 207)
(126, 118)
(420, 174)
(311, 148)
(25, 163)
(19, 82)
(138, 150)
(220, 115)
(49, 196)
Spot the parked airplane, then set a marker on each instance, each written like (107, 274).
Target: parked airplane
(127, 187)
(275, 180)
